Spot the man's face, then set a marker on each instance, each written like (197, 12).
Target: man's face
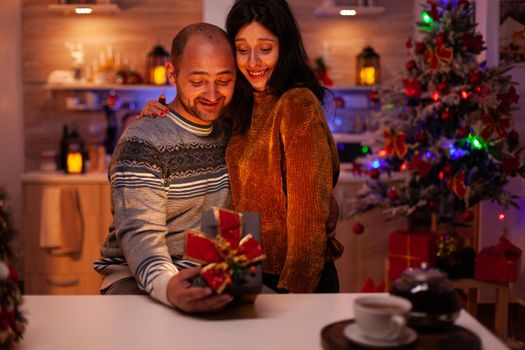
(205, 79)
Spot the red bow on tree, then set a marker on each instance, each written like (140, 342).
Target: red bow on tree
(441, 52)
(457, 185)
(492, 125)
(395, 144)
(228, 257)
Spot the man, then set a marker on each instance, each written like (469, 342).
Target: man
(165, 172)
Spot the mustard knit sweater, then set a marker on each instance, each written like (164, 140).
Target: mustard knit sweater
(288, 136)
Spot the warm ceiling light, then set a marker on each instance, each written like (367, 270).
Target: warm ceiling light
(83, 10)
(348, 12)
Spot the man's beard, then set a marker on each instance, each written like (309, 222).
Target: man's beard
(194, 111)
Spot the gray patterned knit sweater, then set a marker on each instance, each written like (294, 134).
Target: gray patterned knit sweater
(164, 173)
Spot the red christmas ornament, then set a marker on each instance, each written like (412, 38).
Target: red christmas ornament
(374, 173)
(419, 165)
(443, 87)
(358, 228)
(420, 48)
(462, 132)
(468, 215)
(392, 193)
(411, 64)
(446, 115)
(475, 77)
(448, 169)
(373, 96)
(421, 137)
(431, 204)
(412, 87)
(339, 102)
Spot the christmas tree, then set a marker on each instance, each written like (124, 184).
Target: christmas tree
(12, 321)
(445, 125)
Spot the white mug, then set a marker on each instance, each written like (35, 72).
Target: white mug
(381, 317)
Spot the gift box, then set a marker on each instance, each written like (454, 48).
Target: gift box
(410, 249)
(227, 246)
(499, 263)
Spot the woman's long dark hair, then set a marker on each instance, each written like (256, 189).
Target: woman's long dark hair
(293, 67)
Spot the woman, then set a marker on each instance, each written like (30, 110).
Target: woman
(281, 157)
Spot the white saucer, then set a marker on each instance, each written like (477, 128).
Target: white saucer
(355, 335)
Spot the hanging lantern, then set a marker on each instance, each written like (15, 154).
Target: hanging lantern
(156, 70)
(75, 156)
(368, 70)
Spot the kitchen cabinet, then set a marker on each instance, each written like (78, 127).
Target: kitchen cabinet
(49, 274)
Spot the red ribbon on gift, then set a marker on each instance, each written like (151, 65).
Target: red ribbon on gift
(227, 253)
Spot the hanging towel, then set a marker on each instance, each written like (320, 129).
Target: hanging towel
(61, 222)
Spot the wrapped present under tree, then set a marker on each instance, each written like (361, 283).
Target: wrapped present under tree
(499, 263)
(410, 249)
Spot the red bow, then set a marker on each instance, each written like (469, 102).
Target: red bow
(227, 255)
(492, 125)
(457, 185)
(442, 53)
(395, 144)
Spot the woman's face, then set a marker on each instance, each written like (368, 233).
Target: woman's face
(257, 52)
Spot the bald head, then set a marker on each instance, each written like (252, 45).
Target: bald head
(204, 32)
(203, 70)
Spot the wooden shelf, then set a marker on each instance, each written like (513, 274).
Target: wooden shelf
(97, 9)
(105, 87)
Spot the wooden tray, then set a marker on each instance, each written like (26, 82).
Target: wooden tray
(453, 338)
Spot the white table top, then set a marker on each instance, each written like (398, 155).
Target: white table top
(275, 322)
